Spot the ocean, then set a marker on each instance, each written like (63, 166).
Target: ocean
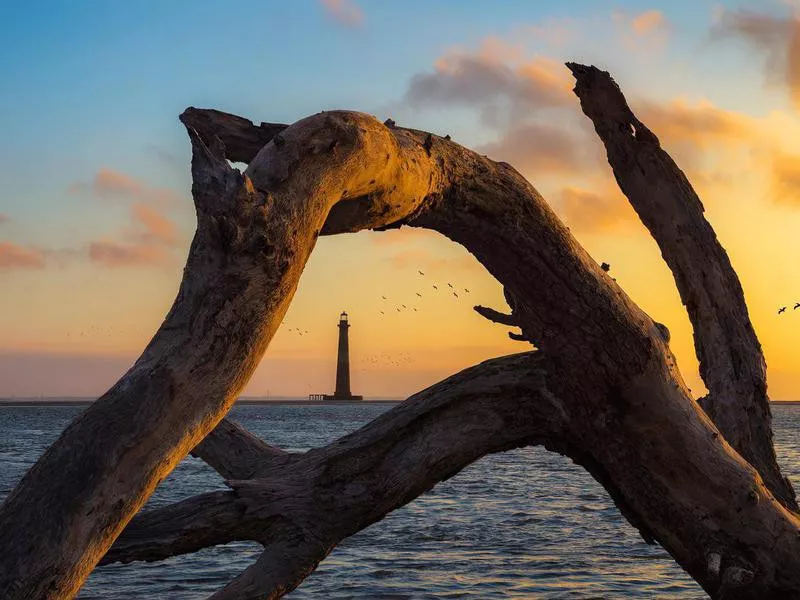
(521, 524)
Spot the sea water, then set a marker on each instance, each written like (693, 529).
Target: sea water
(521, 524)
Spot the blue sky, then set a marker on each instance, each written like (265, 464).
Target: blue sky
(89, 98)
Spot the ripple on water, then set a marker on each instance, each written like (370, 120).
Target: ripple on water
(521, 524)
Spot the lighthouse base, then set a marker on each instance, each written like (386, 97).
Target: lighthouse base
(334, 398)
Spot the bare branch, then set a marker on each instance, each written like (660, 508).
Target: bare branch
(495, 316)
(731, 361)
(241, 138)
(234, 452)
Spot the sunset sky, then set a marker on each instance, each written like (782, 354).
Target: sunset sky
(96, 215)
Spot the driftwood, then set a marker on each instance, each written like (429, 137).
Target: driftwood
(603, 387)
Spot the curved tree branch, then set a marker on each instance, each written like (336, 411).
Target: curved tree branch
(608, 363)
(731, 361)
(234, 452)
(243, 267)
(300, 509)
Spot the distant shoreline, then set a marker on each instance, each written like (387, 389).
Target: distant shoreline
(11, 402)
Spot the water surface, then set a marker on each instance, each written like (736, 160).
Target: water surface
(522, 524)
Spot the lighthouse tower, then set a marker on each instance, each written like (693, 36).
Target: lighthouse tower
(342, 392)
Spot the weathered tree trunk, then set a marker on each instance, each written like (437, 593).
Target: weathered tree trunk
(731, 361)
(603, 388)
(242, 270)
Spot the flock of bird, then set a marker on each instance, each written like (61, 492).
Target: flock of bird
(403, 307)
(782, 309)
(388, 307)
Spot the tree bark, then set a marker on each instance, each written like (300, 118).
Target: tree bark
(316, 499)
(732, 364)
(604, 369)
(633, 423)
(243, 267)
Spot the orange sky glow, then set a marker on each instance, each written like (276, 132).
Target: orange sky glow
(75, 313)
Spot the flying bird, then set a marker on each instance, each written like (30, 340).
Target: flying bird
(420, 272)
(436, 288)
(466, 290)
(796, 306)
(606, 267)
(420, 295)
(454, 294)
(781, 309)
(450, 284)
(384, 297)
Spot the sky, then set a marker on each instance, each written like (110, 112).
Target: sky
(96, 215)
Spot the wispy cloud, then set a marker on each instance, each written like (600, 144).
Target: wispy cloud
(493, 80)
(536, 147)
(148, 241)
(592, 211)
(344, 12)
(642, 31)
(778, 39)
(109, 184)
(110, 253)
(14, 257)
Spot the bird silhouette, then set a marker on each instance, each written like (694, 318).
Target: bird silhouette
(796, 306)
(403, 305)
(781, 309)
(454, 294)
(466, 290)
(418, 294)
(383, 313)
(606, 267)
(450, 284)
(420, 272)
(384, 297)
(436, 288)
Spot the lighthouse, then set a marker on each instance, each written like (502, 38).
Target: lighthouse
(342, 391)
(343, 360)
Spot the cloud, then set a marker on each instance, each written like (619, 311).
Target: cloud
(648, 22)
(647, 30)
(590, 211)
(495, 81)
(344, 12)
(14, 256)
(4, 218)
(109, 184)
(148, 241)
(535, 147)
(701, 123)
(777, 38)
(110, 253)
(157, 227)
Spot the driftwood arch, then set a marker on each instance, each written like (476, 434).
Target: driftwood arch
(602, 388)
